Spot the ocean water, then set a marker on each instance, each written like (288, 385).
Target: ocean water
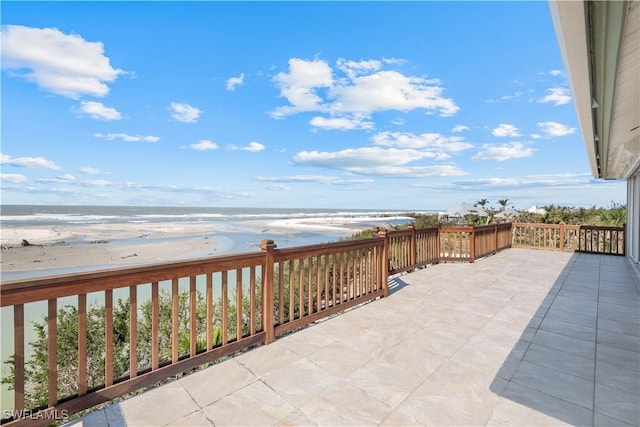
(232, 229)
(49, 215)
(241, 239)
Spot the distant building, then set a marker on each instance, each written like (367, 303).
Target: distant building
(537, 210)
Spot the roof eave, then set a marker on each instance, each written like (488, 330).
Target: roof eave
(570, 20)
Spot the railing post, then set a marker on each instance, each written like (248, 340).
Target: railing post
(472, 240)
(385, 262)
(580, 239)
(268, 247)
(512, 232)
(495, 239)
(438, 247)
(561, 236)
(412, 247)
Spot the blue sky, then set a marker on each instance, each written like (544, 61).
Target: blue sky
(381, 105)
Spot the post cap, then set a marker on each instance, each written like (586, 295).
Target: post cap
(267, 244)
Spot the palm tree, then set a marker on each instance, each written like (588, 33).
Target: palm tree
(503, 203)
(482, 203)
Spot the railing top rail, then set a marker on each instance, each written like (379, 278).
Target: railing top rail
(38, 289)
(427, 230)
(327, 248)
(602, 227)
(541, 225)
(398, 233)
(492, 227)
(457, 228)
(408, 232)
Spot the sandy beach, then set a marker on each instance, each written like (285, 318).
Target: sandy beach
(52, 250)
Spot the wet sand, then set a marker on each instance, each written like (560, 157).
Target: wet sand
(55, 249)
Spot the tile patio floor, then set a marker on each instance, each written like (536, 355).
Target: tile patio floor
(520, 338)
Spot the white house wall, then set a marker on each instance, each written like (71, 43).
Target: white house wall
(633, 222)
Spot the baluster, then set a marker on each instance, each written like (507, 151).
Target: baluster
(361, 280)
(108, 337)
(18, 360)
(351, 276)
(175, 307)
(82, 344)
(292, 289)
(341, 284)
(280, 293)
(193, 336)
(53, 351)
(319, 266)
(238, 304)
(133, 331)
(326, 280)
(301, 288)
(252, 300)
(209, 320)
(336, 278)
(155, 314)
(225, 314)
(310, 298)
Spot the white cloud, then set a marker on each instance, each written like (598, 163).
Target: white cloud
(542, 181)
(300, 83)
(69, 179)
(355, 68)
(87, 170)
(391, 154)
(377, 161)
(500, 153)
(98, 182)
(65, 64)
(555, 129)
(254, 147)
(361, 89)
(390, 90)
(428, 141)
(363, 156)
(506, 130)
(15, 178)
(29, 162)
(394, 61)
(204, 145)
(340, 123)
(556, 73)
(514, 95)
(411, 171)
(320, 179)
(127, 138)
(185, 113)
(276, 187)
(459, 128)
(556, 95)
(232, 82)
(97, 110)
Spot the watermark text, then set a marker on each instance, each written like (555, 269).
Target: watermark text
(31, 414)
